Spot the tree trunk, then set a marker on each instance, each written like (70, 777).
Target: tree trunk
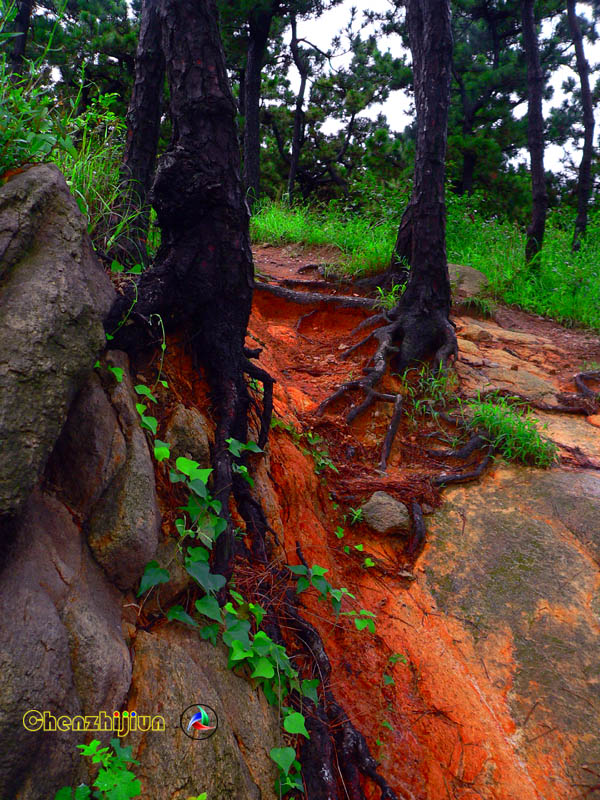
(535, 133)
(202, 278)
(302, 67)
(425, 305)
(143, 127)
(21, 27)
(584, 187)
(260, 25)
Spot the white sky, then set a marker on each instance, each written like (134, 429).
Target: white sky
(322, 30)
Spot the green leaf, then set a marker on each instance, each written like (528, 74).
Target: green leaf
(237, 630)
(210, 633)
(262, 644)
(209, 607)
(362, 623)
(198, 554)
(263, 668)
(200, 572)
(309, 689)
(368, 562)
(317, 570)
(66, 793)
(295, 723)
(302, 585)
(82, 792)
(151, 423)
(145, 391)
(161, 450)
(359, 547)
(300, 569)
(395, 657)
(118, 373)
(388, 680)
(284, 757)
(238, 652)
(137, 269)
(387, 725)
(339, 532)
(116, 267)
(153, 576)
(179, 614)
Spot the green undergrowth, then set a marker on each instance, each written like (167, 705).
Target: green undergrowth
(564, 286)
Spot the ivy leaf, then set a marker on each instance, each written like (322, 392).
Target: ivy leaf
(81, 793)
(295, 723)
(339, 532)
(210, 632)
(237, 630)
(263, 668)
(284, 757)
(262, 644)
(209, 607)
(117, 372)
(145, 391)
(319, 571)
(388, 680)
(137, 269)
(161, 450)
(179, 614)
(239, 652)
(153, 576)
(116, 267)
(299, 569)
(198, 554)
(320, 584)
(309, 689)
(200, 572)
(302, 585)
(66, 793)
(368, 562)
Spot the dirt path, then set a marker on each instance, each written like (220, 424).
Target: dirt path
(493, 633)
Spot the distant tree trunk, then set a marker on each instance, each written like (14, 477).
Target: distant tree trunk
(535, 133)
(143, 126)
(259, 28)
(21, 27)
(425, 305)
(302, 67)
(584, 187)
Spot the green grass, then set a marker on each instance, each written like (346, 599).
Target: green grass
(565, 286)
(511, 431)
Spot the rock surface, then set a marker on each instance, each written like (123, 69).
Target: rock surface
(63, 652)
(190, 434)
(386, 515)
(124, 525)
(234, 762)
(53, 295)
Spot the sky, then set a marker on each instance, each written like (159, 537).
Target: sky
(397, 108)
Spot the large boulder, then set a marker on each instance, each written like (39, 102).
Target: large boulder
(63, 651)
(53, 296)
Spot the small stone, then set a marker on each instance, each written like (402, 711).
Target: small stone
(384, 514)
(190, 434)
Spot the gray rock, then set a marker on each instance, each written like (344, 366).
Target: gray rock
(90, 450)
(385, 514)
(124, 525)
(173, 669)
(53, 295)
(190, 434)
(63, 651)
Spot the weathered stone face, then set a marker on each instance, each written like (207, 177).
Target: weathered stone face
(517, 559)
(53, 296)
(173, 670)
(63, 650)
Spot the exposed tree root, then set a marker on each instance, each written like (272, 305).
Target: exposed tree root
(463, 477)
(580, 382)
(391, 432)
(314, 298)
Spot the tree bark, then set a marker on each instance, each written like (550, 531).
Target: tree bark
(143, 127)
(584, 186)
(202, 278)
(425, 305)
(535, 133)
(21, 27)
(259, 27)
(302, 67)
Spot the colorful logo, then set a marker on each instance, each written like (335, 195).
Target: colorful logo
(199, 721)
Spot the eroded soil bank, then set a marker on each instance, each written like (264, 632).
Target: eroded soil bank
(493, 632)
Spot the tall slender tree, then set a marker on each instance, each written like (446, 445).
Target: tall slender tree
(143, 127)
(21, 27)
(535, 132)
(584, 185)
